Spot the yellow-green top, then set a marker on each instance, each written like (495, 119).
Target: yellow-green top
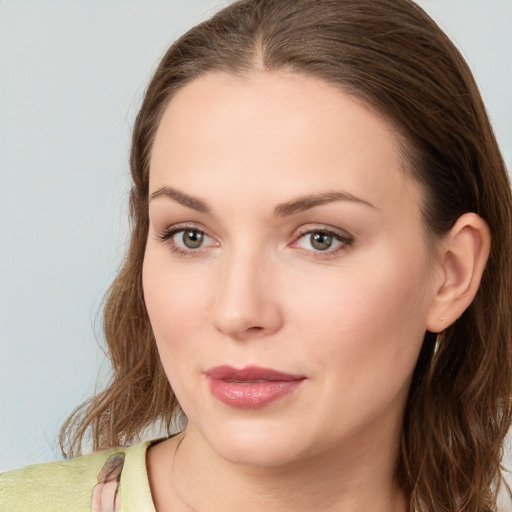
(113, 480)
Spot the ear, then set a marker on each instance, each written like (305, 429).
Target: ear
(462, 258)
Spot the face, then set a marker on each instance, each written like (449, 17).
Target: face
(287, 274)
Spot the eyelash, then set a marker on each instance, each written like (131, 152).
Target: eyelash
(345, 241)
(167, 237)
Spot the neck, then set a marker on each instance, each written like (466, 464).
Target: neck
(355, 477)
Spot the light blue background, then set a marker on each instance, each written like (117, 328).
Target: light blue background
(72, 73)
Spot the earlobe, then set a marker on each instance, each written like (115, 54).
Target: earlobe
(464, 253)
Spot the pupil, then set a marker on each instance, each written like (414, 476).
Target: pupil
(193, 239)
(321, 241)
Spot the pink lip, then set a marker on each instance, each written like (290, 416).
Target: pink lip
(251, 387)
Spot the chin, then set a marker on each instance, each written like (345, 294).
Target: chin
(269, 455)
(260, 444)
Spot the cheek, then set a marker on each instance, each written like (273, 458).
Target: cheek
(367, 323)
(362, 337)
(366, 298)
(177, 303)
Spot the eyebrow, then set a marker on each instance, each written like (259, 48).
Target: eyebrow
(180, 197)
(282, 210)
(307, 202)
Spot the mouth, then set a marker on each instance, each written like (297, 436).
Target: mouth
(251, 387)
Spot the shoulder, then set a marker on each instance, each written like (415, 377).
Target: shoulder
(81, 484)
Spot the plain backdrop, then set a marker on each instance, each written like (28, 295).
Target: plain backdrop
(72, 73)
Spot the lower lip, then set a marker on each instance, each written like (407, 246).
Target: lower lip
(251, 395)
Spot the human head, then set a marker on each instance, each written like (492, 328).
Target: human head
(390, 55)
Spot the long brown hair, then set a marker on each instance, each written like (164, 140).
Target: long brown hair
(391, 55)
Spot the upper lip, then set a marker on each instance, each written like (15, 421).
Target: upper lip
(250, 374)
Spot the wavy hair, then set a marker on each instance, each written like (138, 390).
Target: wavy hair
(392, 56)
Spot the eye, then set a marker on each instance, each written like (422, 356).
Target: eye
(322, 241)
(186, 240)
(189, 238)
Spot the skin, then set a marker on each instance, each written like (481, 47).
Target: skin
(350, 319)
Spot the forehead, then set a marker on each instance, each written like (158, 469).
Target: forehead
(275, 133)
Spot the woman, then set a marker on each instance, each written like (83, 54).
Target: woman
(319, 275)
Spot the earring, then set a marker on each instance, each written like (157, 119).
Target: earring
(439, 341)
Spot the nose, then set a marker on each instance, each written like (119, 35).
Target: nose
(247, 304)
